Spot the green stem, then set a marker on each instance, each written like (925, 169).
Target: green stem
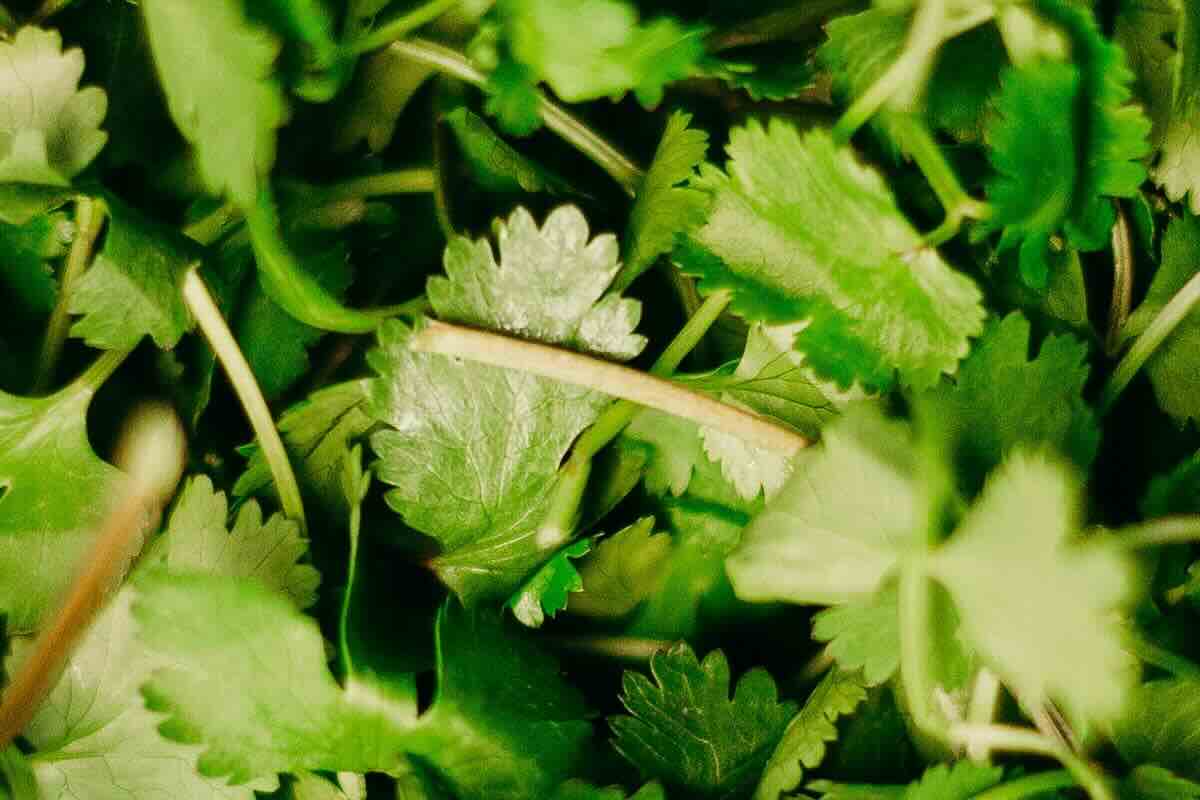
(399, 27)
(563, 513)
(418, 180)
(915, 609)
(1178, 529)
(1160, 657)
(347, 660)
(929, 30)
(210, 228)
(1173, 313)
(985, 695)
(914, 139)
(569, 128)
(89, 219)
(1022, 740)
(1030, 786)
(200, 302)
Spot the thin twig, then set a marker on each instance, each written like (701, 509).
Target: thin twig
(604, 376)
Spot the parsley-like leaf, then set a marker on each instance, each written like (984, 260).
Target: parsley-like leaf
(1176, 170)
(1034, 605)
(1042, 403)
(863, 635)
(687, 731)
(318, 433)
(664, 209)
(1159, 726)
(838, 527)
(132, 288)
(24, 274)
(800, 230)
(961, 780)
(549, 286)
(49, 127)
(621, 571)
(227, 107)
(545, 592)
(803, 744)
(495, 164)
(44, 529)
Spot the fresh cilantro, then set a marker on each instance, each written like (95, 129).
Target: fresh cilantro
(861, 406)
(1032, 602)
(500, 471)
(687, 730)
(664, 209)
(546, 592)
(800, 230)
(804, 742)
(838, 528)
(231, 111)
(44, 448)
(49, 127)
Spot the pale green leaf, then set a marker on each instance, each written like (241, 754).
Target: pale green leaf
(548, 286)
(863, 635)
(49, 127)
(621, 571)
(839, 526)
(216, 69)
(1159, 726)
(1033, 603)
(801, 230)
(546, 591)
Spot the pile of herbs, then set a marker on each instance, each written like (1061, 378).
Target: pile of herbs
(600, 399)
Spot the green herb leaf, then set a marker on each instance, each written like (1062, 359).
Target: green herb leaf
(546, 591)
(230, 110)
(664, 209)
(838, 527)
(1159, 726)
(863, 635)
(961, 780)
(687, 731)
(49, 127)
(548, 286)
(621, 571)
(803, 744)
(132, 288)
(800, 230)
(1034, 605)
(495, 164)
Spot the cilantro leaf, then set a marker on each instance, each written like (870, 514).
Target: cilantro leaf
(1142, 29)
(863, 635)
(1035, 606)
(664, 209)
(132, 288)
(1173, 367)
(609, 56)
(621, 571)
(803, 744)
(227, 107)
(1176, 172)
(752, 470)
(259, 667)
(49, 127)
(1042, 403)
(517, 716)
(686, 730)
(318, 433)
(197, 539)
(24, 274)
(370, 108)
(674, 445)
(1159, 725)
(94, 738)
(838, 527)
(110, 745)
(43, 449)
(801, 231)
(1043, 184)
(578, 790)
(1149, 782)
(548, 286)
(545, 592)
(961, 780)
